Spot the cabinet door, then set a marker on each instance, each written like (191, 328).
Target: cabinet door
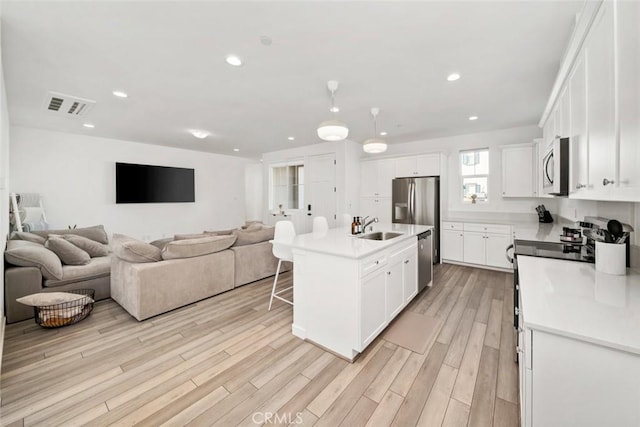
(549, 129)
(628, 28)
(410, 276)
(394, 289)
(383, 210)
(385, 170)
(406, 167)
(579, 144)
(563, 126)
(518, 171)
(496, 246)
(600, 102)
(452, 245)
(368, 179)
(372, 306)
(474, 248)
(428, 165)
(368, 206)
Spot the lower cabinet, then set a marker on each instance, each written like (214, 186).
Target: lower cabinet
(477, 244)
(388, 284)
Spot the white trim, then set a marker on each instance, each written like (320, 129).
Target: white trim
(580, 31)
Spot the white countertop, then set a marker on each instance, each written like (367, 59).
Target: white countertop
(570, 298)
(549, 232)
(340, 242)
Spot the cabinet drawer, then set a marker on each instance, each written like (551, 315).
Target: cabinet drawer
(452, 226)
(488, 228)
(371, 264)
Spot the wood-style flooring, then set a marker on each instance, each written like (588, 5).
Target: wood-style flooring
(228, 361)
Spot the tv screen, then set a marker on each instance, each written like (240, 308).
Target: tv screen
(153, 184)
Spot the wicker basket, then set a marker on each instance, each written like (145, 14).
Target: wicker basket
(67, 313)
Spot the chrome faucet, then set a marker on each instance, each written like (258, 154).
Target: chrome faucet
(368, 223)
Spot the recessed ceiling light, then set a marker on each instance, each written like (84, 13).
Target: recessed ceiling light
(453, 77)
(473, 118)
(200, 134)
(236, 149)
(383, 133)
(89, 125)
(233, 60)
(120, 94)
(291, 138)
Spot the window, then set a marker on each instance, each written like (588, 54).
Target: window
(474, 171)
(286, 186)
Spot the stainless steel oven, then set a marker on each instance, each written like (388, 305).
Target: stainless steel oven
(555, 168)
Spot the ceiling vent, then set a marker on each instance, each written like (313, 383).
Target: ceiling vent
(67, 105)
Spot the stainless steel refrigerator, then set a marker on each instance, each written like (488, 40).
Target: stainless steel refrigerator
(417, 201)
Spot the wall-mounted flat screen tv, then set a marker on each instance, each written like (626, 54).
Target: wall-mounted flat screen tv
(153, 184)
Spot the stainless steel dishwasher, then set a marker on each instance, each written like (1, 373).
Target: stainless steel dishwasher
(425, 260)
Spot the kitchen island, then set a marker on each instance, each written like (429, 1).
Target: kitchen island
(347, 289)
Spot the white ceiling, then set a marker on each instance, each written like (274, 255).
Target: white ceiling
(169, 58)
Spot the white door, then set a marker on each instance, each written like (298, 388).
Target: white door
(386, 172)
(320, 183)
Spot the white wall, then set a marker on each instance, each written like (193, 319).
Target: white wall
(4, 188)
(75, 174)
(254, 191)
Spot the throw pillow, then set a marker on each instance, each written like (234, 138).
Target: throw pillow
(68, 253)
(29, 254)
(51, 298)
(29, 237)
(188, 236)
(134, 250)
(93, 248)
(197, 247)
(95, 233)
(246, 237)
(248, 224)
(253, 227)
(161, 243)
(220, 232)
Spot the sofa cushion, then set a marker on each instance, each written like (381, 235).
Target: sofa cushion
(51, 298)
(93, 248)
(29, 237)
(196, 247)
(134, 250)
(97, 267)
(161, 243)
(188, 236)
(220, 232)
(246, 237)
(252, 225)
(28, 254)
(95, 233)
(68, 253)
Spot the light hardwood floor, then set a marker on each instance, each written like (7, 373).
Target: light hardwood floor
(228, 361)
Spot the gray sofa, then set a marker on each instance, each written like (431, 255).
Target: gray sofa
(148, 287)
(23, 277)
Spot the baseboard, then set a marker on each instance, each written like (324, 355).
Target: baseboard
(485, 267)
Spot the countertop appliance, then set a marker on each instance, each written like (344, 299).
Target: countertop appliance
(555, 168)
(417, 201)
(556, 250)
(425, 260)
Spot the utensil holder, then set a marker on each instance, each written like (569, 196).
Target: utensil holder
(611, 258)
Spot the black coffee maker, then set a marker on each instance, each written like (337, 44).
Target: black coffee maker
(543, 214)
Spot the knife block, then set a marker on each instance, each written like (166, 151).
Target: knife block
(545, 217)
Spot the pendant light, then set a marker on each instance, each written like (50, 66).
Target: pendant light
(333, 130)
(374, 145)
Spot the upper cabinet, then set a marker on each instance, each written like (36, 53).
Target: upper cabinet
(597, 103)
(423, 165)
(519, 177)
(376, 177)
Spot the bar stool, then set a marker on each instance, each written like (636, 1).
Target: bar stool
(284, 233)
(320, 224)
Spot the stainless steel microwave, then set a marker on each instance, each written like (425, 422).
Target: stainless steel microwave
(555, 168)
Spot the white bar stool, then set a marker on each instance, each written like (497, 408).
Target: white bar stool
(320, 224)
(284, 233)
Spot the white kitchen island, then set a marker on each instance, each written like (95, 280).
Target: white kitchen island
(347, 289)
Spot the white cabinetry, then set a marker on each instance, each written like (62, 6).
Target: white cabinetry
(477, 244)
(376, 177)
(395, 286)
(373, 316)
(599, 51)
(377, 207)
(452, 246)
(579, 143)
(519, 167)
(423, 165)
(410, 275)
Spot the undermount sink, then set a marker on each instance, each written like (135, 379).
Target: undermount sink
(381, 235)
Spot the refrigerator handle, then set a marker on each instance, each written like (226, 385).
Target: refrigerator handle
(412, 198)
